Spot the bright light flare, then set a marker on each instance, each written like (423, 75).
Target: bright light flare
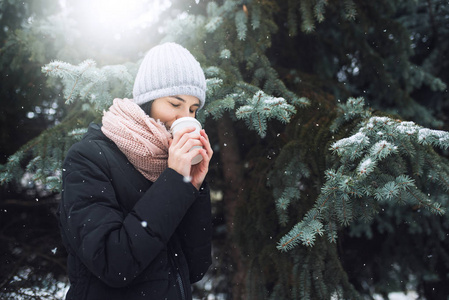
(114, 18)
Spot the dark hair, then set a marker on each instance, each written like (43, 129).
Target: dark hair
(146, 107)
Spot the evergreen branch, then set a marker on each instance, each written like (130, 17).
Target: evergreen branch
(306, 14)
(291, 17)
(92, 85)
(350, 9)
(332, 232)
(80, 81)
(431, 206)
(319, 10)
(444, 181)
(67, 101)
(371, 156)
(346, 217)
(434, 137)
(438, 169)
(291, 242)
(261, 108)
(61, 69)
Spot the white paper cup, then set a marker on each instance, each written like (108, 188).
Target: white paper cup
(188, 122)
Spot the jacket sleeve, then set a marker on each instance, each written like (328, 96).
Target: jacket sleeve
(195, 232)
(114, 246)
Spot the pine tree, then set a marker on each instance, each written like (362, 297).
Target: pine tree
(306, 174)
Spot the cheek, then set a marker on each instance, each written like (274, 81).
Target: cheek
(167, 117)
(158, 113)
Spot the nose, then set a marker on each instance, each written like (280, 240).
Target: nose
(185, 113)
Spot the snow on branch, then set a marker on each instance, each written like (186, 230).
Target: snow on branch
(261, 108)
(88, 83)
(436, 138)
(386, 161)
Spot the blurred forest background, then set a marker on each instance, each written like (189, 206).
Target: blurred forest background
(328, 120)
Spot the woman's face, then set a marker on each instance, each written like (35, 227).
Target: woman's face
(169, 109)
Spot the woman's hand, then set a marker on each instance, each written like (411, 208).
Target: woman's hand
(180, 156)
(198, 172)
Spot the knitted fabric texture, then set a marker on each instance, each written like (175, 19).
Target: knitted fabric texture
(169, 70)
(144, 141)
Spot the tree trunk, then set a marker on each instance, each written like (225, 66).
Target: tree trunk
(233, 177)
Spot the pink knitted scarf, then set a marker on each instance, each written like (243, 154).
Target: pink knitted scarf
(143, 140)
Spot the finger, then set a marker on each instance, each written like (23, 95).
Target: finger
(194, 152)
(204, 134)
(206, 156)
(179, 134)
(189, 144)
(190, 139)
(207, 146)
(181, 141)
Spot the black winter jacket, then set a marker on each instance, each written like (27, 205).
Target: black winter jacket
(129, 238)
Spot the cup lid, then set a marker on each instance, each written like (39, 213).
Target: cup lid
(184, 119)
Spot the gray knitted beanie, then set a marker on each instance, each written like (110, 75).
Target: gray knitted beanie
(168, 70)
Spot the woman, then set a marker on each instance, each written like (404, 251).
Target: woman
(135, 214)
